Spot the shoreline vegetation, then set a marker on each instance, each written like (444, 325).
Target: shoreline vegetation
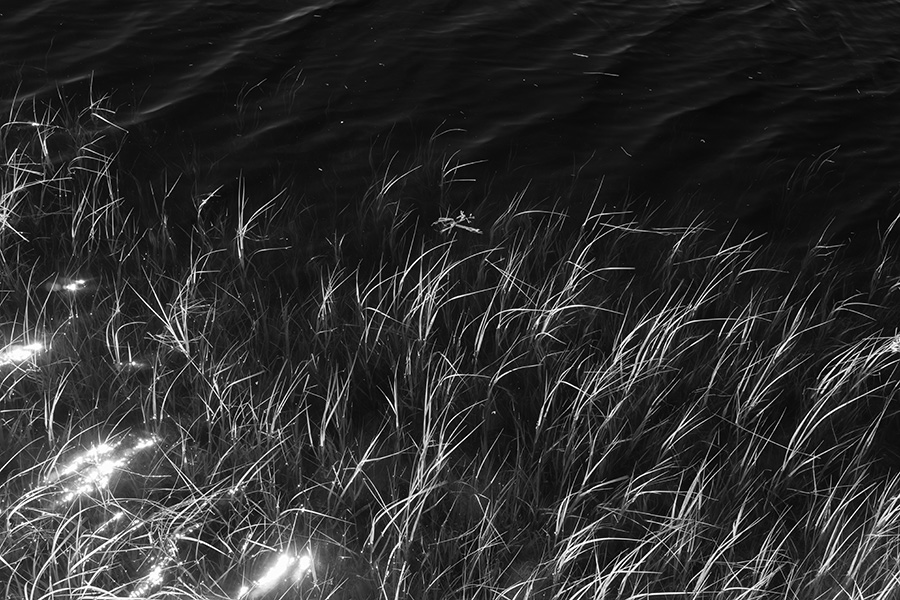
(483, 402)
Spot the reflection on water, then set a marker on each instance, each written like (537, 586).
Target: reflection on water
(133, 365)
(66, 284)
(288, 569)
(112, 521)
(15, 354)
(18, 353)
(93, 469)
(96, 480)
(165, 558)
(152, 580)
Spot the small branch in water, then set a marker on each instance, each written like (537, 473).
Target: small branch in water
(445, 225)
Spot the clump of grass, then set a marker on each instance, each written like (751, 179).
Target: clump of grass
(522, 407)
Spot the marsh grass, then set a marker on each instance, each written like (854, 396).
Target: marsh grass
(519, 406)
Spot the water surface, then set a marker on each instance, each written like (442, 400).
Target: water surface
(779, 114)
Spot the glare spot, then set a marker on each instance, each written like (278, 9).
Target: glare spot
(66, 284)
(894, 344)
(74, 286)
(118, 516)
(164, 559)
(133, 365)
(152, 579)
(19, 353)
(303, 565)
(93, 469)
(276, 573)
(288, 569)
(144, 443)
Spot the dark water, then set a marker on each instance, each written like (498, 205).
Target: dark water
(782, 114)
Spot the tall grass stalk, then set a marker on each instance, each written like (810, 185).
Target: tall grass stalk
(509, 405)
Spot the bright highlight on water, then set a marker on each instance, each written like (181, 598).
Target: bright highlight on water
(67, 285)
(19, 353)
(93, 469)
(288, 569)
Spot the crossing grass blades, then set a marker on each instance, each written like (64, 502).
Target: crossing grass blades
(512, 403)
